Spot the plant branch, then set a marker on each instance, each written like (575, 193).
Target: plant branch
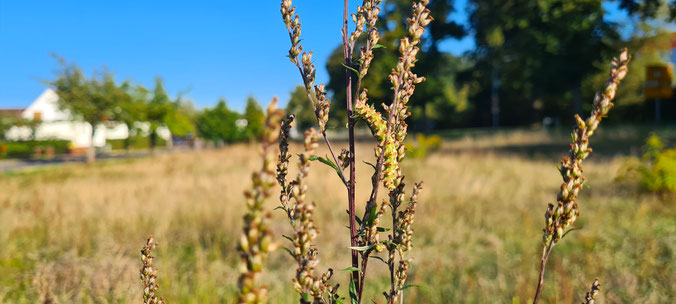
(347, 52)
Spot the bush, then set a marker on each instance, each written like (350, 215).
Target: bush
(423, 146)
(658, 170)
(136, 142)
(28, 148)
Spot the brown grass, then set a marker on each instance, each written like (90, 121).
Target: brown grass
(72, 233)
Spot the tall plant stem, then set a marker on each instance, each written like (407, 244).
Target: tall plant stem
(543, 264)
(350, 127)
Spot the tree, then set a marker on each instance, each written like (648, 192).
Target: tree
(91, 101)
(299, 106)
(180, 119)
(538, 54)
(255, 118)
(157, 110)
(219, 124)
(650, 9)
(442, 93)
(130, 108)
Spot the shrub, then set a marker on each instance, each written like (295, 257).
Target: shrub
(27, 149)
(656, 170)
(423, 145)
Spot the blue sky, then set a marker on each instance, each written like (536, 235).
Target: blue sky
(212, 49)
(208, 50)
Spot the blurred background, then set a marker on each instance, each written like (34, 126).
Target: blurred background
(170, 98)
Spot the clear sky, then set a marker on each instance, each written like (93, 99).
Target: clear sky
(206, 49)
(209, 49)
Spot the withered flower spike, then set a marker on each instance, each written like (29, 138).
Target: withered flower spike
(256, 240)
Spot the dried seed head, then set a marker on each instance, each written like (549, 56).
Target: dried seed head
(571, 169)
(591, 294)
(149, 274)
(255, 241)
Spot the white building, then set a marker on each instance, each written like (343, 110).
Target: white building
(59, 124)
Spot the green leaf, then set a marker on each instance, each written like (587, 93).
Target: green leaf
(571, 229)
(372, 216)
(377, 46)
(382, 229)
(388, 242)
(353, 292)
(279, 207)
(378, 258)
(288, 238)
(350, 269)
(289, 251)
(361, 248)
(328, 162)
(356, 218)
(370, 164)
(586, 185)
(306, 297)
(350, 68)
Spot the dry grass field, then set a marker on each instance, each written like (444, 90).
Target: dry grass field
(73, 233)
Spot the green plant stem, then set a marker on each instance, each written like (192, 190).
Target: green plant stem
(543, 264)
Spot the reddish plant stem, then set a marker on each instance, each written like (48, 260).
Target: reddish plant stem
(543, 265)
(350, 126)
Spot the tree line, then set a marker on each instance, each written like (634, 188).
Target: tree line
(100, 98)
(533, 60)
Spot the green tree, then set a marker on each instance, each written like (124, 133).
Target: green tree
(440, 92)
(300, 106)
(181, 118)
(538, 52)
(157, 110)
(650, 9)
(219, 124)
(130, 107)
(89, 100)
(255, 118)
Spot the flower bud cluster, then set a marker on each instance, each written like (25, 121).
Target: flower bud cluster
(322, 107)
(292, 22)
(400, 274)
(305, 66)
(562, 214)
(591, 294)
(301, 217)
(149, 274)
(367, 12)
(283, 160)
(256, 240)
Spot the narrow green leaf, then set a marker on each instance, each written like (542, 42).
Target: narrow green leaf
(288, 238)
(353, 292)
(328, 162)
(377, 46)
(279, 207)
(382, 229)
(350, 68)
(289, 251)
(571, 229)
(350, 269)
(378, 258)
(361, 248)
(370, 164)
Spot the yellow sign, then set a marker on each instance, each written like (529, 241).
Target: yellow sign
(658, 82)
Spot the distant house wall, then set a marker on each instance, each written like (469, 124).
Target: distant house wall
(58, 124)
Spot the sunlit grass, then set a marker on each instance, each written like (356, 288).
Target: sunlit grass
(75, 233)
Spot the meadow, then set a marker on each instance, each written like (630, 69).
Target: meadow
(73, 233)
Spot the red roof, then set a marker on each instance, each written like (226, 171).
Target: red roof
(11, 112)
